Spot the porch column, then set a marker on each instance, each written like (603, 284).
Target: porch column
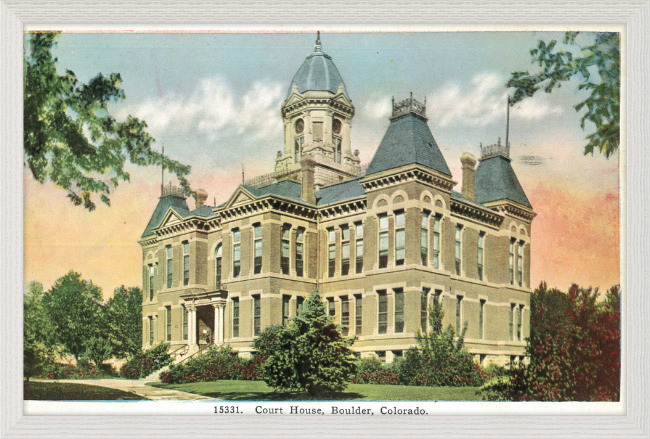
(219, 306)
(222, 307)
(191, 325)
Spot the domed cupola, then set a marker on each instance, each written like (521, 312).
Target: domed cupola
(317, 73)
(317, 116)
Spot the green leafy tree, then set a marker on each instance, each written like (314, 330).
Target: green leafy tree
(74, 307)
(124, 321)
(98, 349)
(39, 344)
(440, 359)
(598, 67)
(576, 359)
(310, 354)
(71, 139)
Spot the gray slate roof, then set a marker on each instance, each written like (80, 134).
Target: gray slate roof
(317, 72)
(496, 180)
(178, 205)
(339, 192)
(284, 189)
(408, 140)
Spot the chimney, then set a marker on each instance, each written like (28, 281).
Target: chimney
(200, 197)
(308, 192)
(468, 161)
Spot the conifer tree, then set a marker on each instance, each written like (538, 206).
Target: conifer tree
(310, 354)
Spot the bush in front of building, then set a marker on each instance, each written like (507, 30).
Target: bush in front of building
(145, 363)
(377, 377)
(84, 369)
(310, 354)
(574, 350)
(220, 363)
(440, 359)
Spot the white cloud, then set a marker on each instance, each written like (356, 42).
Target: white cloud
(213, 109)
(377, 108)
(483, 102)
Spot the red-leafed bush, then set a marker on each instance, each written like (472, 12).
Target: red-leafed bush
(215, 364)
(145, 363)
(377, 377)
(574, 350)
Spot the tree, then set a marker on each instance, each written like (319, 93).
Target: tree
(39, 346)
(440, 359)
(310, 354)
(599, 69)
(124, 321)
(74, 307)
(576, 359)
(69, 136)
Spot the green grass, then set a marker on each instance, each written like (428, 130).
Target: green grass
(259, 391)
(54, 391)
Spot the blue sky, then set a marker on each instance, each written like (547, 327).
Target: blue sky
(213, 100)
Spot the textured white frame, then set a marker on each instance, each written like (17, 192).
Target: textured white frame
(634, 14)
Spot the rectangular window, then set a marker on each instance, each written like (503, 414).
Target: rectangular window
(284, 256)
(437, 298)
(235, 316)
(479, 257)
(300, 251)
(436, 242)
(168, 318)
(459, 314)
(382, 318)
(150, 331)
(382, 356)
(285, 309)
(424, 238)
(481, 318)
(331, 252)
(511, 263)
(383, 241)
(399, 310)
(358, 230)
(424, 309)
(331, 308)
(257, 244)
(345, 316)
(186, 263)
(257, 315)
(236, 252)
(512, 321)
(169, 266)
(337, 150)
(520, 264)
(457, 248)
(400, 238)
(217, 267)
(298, 149)
(345, 250)
(520, 335)
(300, 301)
(185, 323)
(151, 281)
(358, 314)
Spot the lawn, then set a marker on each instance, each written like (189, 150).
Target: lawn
(54, 391)
(259, 391)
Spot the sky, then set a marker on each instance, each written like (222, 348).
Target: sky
(213, 99)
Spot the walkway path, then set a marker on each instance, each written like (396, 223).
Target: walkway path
(140, 388)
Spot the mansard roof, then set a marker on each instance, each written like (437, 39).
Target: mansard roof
(496, 180)
(408, 140)
(340, 192)
(179, 206)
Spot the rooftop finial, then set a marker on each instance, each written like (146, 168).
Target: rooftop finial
(318, 46)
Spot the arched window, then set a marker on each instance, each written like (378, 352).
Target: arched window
(217, 265)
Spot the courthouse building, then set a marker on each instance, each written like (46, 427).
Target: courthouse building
(381, 245)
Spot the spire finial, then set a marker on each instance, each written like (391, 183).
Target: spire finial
(318, 46)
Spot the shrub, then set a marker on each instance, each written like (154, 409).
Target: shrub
(83, 370)
(440, 358)
(376, 377)
(368, 365)
(215, 364)
(144, 363)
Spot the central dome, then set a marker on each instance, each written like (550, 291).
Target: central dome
(317, 73)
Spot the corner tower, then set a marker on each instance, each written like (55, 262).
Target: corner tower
(317, 116)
